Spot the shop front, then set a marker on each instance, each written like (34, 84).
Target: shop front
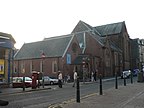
(6, 57)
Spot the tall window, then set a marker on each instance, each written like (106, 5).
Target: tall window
(22, 67)
(74, 47)
(116, 59)
(31, 66)
(107, 58)
(54, 66)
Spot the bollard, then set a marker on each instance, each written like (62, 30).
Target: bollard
(131, 77)
(23, 83)
(124, 81)
(78, 91)
(43, 82)
(116, 82)
(101, 92)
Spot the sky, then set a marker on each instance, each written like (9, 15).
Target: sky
(33, 20)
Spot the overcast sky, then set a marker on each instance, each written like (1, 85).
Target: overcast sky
(32, 20)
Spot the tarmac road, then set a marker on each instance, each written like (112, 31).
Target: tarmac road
(47, 97)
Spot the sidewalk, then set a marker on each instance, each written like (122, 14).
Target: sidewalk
(19, 90)
(10, 90)
(130, 96)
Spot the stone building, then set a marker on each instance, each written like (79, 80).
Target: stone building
(137, 55)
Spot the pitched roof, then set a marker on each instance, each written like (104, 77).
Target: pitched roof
(7, 36)
(51, 47)
(109, 29)
(82, 26)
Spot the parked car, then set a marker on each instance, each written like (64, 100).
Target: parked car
(49, 80)
(126, 74)
(18, 82)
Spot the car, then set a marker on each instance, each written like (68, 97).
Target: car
(126, 74)
(17, 82)
(49, 80)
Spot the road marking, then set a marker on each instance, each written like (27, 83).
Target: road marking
(70, 101)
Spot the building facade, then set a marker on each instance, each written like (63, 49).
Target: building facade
(105, 49)
(137, 55)
(6, 56)
(48, 56)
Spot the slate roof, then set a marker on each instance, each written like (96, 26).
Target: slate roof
(115, 47)
(98, 32)
(7, 36)
(109, 29)
(82, 26)
(51, 47)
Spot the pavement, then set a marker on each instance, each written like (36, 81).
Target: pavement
(129, 96)
(11, 90)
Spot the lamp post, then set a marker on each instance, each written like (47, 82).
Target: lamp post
(103, 60)
(42, 56)
(83, 70)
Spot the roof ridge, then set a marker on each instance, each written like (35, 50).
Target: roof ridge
(91, 28)
(57, 37)
(110, 24)
(86, 25)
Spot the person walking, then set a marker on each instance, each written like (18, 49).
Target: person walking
(60, 79)
(75, 78)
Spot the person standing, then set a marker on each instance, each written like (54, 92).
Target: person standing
(92, 77)
(60, 79)
(75, 78)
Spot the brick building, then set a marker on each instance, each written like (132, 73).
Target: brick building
(104, 48)
(58, 54)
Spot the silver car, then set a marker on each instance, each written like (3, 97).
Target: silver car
(49, 80)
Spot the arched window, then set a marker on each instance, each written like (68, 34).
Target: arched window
(74, 47)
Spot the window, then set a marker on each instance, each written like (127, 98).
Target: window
(54, 66)
(81, 45)
(74, 47)
(22, 67)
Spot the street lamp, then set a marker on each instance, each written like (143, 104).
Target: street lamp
(103, 60)
(42, 56)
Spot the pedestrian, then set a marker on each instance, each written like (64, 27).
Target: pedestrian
(65, 78)
(75, 78)
(68, 78)
(92, 77)
(95, 74)
(60, 79)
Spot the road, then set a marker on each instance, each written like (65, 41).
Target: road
(45, 98)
